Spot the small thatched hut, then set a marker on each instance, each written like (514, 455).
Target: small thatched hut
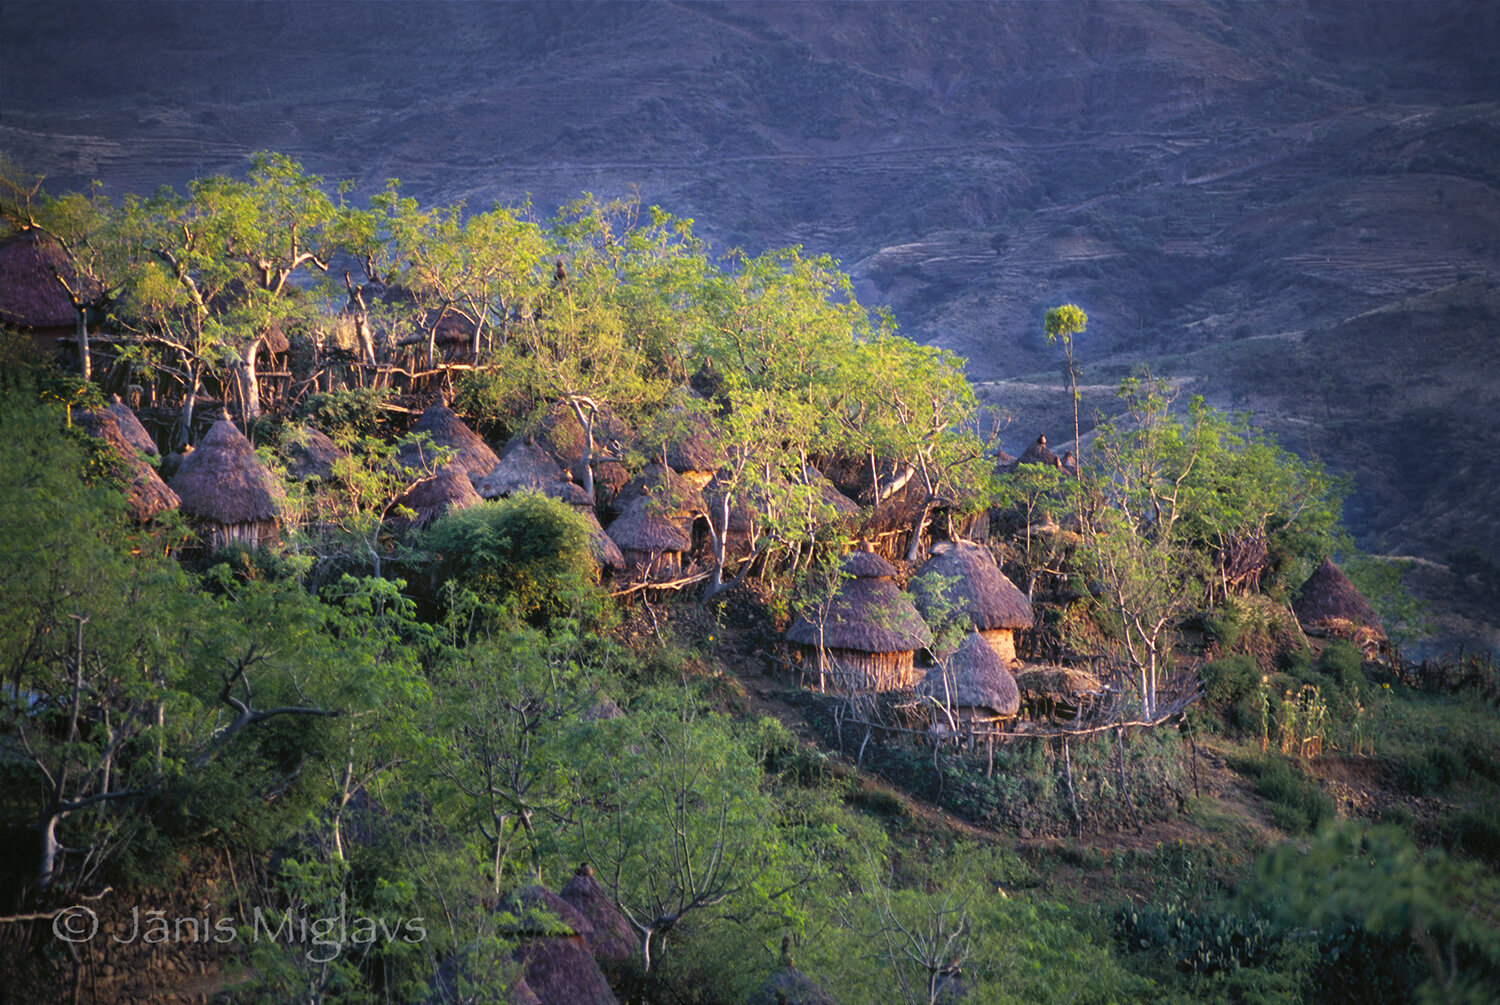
(551, 946)
(1056, 691)
(522, 467)
(612, 937)
(650, 540)
(789, 986)
(979, 591)
(130, 427)
(146, 495)
(226, 492)
(606, 552)
(691, 451)
(430, 498)
(975, 683)
(1038, 453)
(443, 426)
(30, 295)
(1330, 604)
(672, 492)
(868, 632)
(310, 453)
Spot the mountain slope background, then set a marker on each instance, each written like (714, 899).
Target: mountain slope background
(1291, 208)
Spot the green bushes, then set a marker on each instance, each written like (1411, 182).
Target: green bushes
(1344, 665)
(347, 413)
(529, 552)
(1232, 687)
(1298, 806)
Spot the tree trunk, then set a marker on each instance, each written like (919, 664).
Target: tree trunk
(248, 382)
(85, 363)
(184, 432)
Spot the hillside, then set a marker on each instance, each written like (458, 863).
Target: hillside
(1212, 182)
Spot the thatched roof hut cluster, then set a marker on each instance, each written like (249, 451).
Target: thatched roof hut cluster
(226, 491)
(963, 578)
(445, 492)
(552, 947)
(146, 495)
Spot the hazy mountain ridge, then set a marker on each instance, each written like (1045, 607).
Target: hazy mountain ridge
(1208, 180)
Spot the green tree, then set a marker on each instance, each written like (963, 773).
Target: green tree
(1061, 326)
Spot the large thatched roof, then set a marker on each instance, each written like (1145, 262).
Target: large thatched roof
(223, 481)
(692, 446)
(570, 492)
(30, 295)
(446, 429)
(130, 427)
(976, 678)
(536, 911)
(842, 505)
(1329, 596)
(430, 498)
(672, 492)
(605, 551)
(522, 467)
(979, 590)
(146, 494)
(555, 959)
(612, 937)
(789, 986)
(310, 453)
(868, 614)
(642, 527)
(1057, 681)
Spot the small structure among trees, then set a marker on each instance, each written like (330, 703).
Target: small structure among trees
(523, 466)
(447, 491)
(973, 683)
(227, 492)
(146, 495)
(865, 635)
(552, 948)
(443, 426)
(963, 576)
(1330, 604)
(651, 540)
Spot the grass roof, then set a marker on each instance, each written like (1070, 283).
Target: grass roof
(978, 589)
(222, 480)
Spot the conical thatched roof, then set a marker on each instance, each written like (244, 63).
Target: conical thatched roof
(612, 937)
(976, 678)
(130, 427)
(430, 498)
(1329, 596)
(642, 528)
(559, 432)
(979, 590)
(869, 613)
(693, 448)
(522, 467)
(146, 495)
(673, 493)
(606, 553)
(474, 457)
(842, 505)
(30, 295)
(570, 492)
(790, 986)
(223, 481)
(310, 453)
(553, 954)
(1038, 453)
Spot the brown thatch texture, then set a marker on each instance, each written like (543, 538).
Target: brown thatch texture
(146, 495)
(430, 498)
(555, 959)
(842, 505)
(672, 492)
(474, 457)
(1038, 453)
(643, 528)
(606, 553)
(560, 432)
(978, 589)
(1056, 682)
(790, 986)
(868, 614)
(854, 477)
(130, 427)
(570, 492)
(223, 481)
(1328, 596)
(310, 453)
(522, 467)
(976, 677)
(612, 937)
(693, 448)
(30, 295)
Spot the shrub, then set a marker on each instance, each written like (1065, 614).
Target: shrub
(529, 551)
(1232, 688)
(1298, 806)
(347, 413)
(1342, 662)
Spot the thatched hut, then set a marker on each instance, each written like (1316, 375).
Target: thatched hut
(552, 949)
(1053, 692)
(310, 453)
(650, 540)
(1330, 604)
(30, 295)
(671, 491)
(789, 986)
(146, 495)
(430, 498)
(443, 426)
(979, 592)
(131, 429)
(226, 492)
(522, 467)
(1038, 453)
(974, 682)
(606, 552)
(612, 937)
(868, 632)
(691, 451)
